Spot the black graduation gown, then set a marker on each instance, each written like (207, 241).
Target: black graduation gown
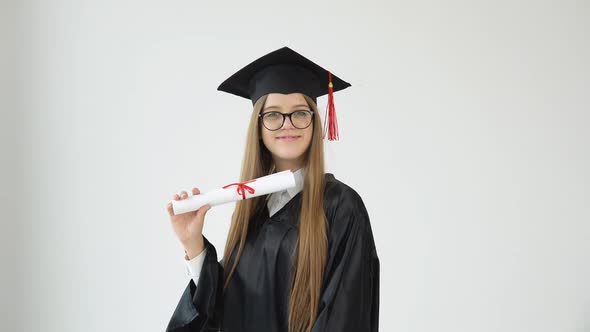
(256, 299)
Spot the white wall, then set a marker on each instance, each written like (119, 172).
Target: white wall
(465, 132)
(8, 164)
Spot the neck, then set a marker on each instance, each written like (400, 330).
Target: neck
(293, 165)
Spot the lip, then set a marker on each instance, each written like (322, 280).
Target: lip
(288, 138)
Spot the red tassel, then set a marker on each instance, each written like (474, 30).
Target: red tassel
(331, 121)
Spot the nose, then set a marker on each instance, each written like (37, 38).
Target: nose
(288, 124)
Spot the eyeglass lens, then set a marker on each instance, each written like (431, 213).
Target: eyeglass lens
(275, 120)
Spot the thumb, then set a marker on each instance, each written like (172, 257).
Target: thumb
(203, 210)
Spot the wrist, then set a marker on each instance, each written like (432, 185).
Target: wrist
(194, 249)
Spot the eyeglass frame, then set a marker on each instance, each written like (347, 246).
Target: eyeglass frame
(285, 115)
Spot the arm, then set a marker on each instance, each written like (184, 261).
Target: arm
(197, 308)
(194, 266)
(350, 294)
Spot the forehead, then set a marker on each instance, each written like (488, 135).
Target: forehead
(285, 100)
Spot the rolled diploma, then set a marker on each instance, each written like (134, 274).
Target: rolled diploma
(262, 186)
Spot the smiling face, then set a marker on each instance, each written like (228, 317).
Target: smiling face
(289, 143)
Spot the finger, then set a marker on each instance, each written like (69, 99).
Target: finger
(203, 209)
(170, 210)
(175, 197)
(183, 195)
(196, 191)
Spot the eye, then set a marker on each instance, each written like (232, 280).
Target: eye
(301, 114)
(271, 115)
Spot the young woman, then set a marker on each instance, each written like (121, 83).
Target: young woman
(299, 260)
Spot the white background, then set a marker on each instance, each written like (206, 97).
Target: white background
(465, 132)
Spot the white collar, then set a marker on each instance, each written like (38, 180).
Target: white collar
(279, 199)
(299, 179)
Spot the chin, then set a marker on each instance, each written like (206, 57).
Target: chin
(288, 155)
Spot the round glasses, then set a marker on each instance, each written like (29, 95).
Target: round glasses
(275, 120)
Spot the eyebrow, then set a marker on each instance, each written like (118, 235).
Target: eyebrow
(304, 105)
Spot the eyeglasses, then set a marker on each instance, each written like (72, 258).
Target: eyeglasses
(275, 120)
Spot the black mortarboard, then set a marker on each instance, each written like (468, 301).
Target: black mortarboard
(286, 71)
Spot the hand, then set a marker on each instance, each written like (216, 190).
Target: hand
(189, 226)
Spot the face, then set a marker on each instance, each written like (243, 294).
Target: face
(289, 143)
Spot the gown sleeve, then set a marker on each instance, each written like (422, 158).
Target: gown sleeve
(350, 294)
(199, 307)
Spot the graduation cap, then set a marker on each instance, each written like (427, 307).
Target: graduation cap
(286, 71)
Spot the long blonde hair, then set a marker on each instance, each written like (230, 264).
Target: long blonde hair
(312, 244)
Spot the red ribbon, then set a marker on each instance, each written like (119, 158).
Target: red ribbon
(241, 187)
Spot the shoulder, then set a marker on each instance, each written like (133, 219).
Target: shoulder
(338, 190)
(343, 204)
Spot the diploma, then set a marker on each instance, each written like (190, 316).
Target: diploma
(236, 191)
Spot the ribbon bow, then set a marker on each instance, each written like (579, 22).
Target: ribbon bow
(241, 187)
